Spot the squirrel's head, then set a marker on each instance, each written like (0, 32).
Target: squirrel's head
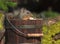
(25, 14)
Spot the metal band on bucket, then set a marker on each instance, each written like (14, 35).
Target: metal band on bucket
(29, 26)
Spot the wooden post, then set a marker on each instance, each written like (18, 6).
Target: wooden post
(0, 41)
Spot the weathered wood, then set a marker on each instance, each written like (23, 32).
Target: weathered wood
(14, 37)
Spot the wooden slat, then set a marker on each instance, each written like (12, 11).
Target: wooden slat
(35, 34)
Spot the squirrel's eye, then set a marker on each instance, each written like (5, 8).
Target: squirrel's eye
(27, 12)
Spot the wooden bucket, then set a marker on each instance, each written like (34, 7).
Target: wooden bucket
(23, 31)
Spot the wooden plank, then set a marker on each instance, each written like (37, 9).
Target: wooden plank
(35, 34)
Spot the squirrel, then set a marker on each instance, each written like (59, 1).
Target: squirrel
(25, 14)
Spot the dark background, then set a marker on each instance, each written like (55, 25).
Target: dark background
(39, 6)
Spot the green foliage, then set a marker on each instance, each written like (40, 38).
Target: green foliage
(11, 4)
(5, 3)
(48, 32)
(49, 14)
(1, 21)
(2, 5)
